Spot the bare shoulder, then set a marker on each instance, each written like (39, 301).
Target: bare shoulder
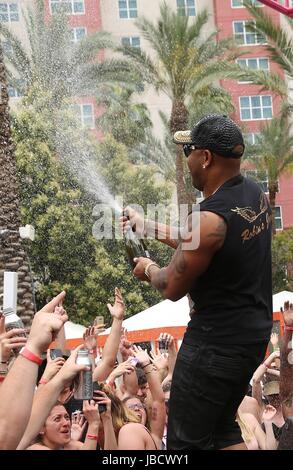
(209, 228)
(133, 427)
(74, 445)
(37, 447)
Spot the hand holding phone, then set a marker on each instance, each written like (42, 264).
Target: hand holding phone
(97, 388)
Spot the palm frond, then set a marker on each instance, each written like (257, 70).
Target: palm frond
(280, 45)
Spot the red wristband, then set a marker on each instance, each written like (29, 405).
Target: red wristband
(25, 352)
(2, 378)
(289, 328)
(111, 383)
(43, 381)
(92, 436)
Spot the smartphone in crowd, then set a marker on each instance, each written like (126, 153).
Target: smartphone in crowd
(133, 361)
(101, 407)
(54, 353)
(163, 346)
(99, 321)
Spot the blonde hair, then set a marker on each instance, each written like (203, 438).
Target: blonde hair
(246, 431)
(120, 413)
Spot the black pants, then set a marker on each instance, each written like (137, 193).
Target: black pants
(208, 385)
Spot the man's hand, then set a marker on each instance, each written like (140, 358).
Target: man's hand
(139, 270)
(288, 313)
(46, 325)
(134, 220)
(118, 309)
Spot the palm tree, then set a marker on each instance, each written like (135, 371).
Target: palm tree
(126, 120)
(13, 256)
(279, 47)
(186, 62)
(55, 63)
(274, 153)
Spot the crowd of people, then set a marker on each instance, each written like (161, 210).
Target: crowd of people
(220, 390)
(134, 392)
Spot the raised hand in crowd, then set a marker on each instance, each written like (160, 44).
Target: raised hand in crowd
(110, 440)
(275, 340)
(92, 416)
(118, 309)
(90, 338)
(141, 355)
(9, 341)
(125, 345)
(48, 395)
(53, 366)
(107, 363)
(159, 360)
(125, 367)
(78, 424)
(45, 327)
(286, 380)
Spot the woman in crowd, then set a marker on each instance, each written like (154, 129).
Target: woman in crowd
(56, 433)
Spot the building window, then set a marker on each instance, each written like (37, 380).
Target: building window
(133, 41)
(9, 12)
(253, 63)
(77, 34)
(255, 107)
(127, 9)
(14, 93)
(278, 218)
(85, 113)
(239, 3)
(186, 7)
(243, 35)
(71, 7)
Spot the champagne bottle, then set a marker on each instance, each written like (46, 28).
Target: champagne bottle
(135, 247)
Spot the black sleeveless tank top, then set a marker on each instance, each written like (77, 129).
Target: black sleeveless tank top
(233, 298)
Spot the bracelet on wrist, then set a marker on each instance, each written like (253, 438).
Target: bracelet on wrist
(289, 328)
(30, 356)
(111, 383)
(43, 381)
(148, 364)
(92, 437)
(147, 269)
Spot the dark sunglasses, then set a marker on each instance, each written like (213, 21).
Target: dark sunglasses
(188, 148)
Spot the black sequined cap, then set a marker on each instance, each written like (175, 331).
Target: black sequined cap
(217, 133)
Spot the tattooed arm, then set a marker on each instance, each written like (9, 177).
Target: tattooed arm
(191, 259)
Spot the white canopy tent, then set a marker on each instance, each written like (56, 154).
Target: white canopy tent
(280, 298)
(176, 314)
(73, 330)
(165, 313)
